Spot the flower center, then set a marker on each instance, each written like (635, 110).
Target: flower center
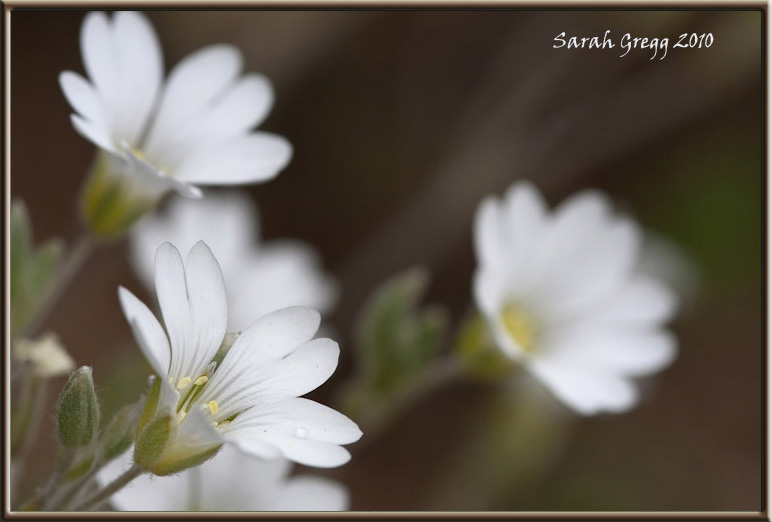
(191, 389)
(521, 326)
(138, 153)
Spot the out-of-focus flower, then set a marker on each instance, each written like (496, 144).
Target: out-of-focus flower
(250, 395)
(260, 277)
(231, 481)
(195, 128)
(563, 297)
(46, 354)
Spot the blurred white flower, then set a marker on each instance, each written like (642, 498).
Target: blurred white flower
(193, 129)
(46, 354)
(251, 396)
(231, 481)
(260, 277)
(563, 297)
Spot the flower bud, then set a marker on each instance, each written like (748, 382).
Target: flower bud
(78, 410)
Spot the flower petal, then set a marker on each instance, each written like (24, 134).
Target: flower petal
(301, 418)
(242, 107)
(192, 86)
(269, 339)
(147, 331)
(95, 134)
(586, 392)
(226, 221)
(124, 62)
(298, 373)
(642, 301)
(193, 305)
(281, 273)
(141, 71)
(302, 451)
(617, 350)
(251, 158)
(84, 100)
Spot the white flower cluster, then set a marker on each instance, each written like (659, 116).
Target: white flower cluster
(564, 293)
(194, 128)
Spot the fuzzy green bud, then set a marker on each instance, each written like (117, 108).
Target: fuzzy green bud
(77, 415)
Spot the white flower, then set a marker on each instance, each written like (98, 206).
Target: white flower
(231, 481)
(193, 129)
(251, 396)
(260, 278)
(47, 355)
(562, 296)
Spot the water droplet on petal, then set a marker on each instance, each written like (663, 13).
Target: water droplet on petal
(301, 433)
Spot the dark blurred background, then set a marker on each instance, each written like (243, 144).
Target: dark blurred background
(401, 122)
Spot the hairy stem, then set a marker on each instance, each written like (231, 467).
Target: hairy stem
(116, 485)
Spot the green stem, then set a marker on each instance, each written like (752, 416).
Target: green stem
(114, 486)
(439, 373)
(77, 256)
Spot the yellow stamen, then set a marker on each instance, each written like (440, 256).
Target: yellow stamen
(138, 153)
(201, 380)
(521, 326)
(183, 383)
(181, 416)
(223, 424)
(213, 407)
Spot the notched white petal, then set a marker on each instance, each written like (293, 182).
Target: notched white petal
(147, 330)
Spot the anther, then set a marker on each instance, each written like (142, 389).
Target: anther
(183, 383)
(201, 380)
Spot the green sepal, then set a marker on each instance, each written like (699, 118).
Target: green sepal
(151, 403)
(477, 352)
(170, 466)
(110, 201)
(119, 434)
(77, 415)
(153, 440)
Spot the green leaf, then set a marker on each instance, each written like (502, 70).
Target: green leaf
(396, 338)
(32, 268)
